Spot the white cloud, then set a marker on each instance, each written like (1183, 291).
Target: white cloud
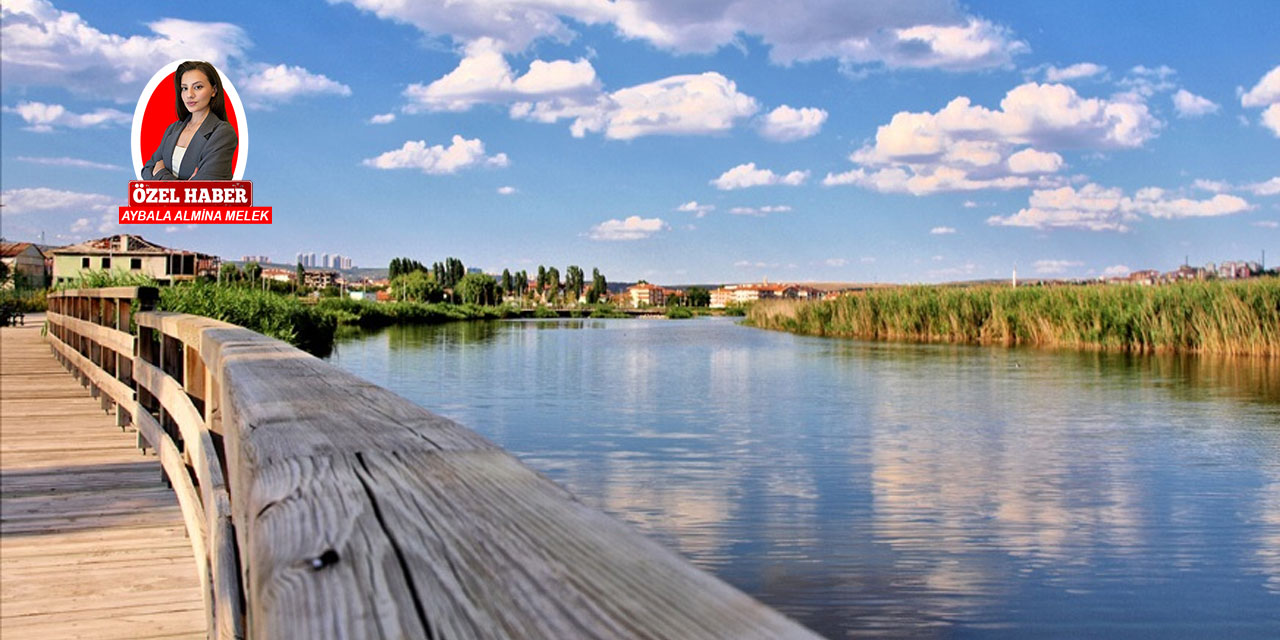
(484, 76)
(1098, 208)
(967, 147)
(867, 260)
(786, 124)
(282, 83)
(1073, 72)
(1266, 92)
(1055, 266)
(1271, 118)
(700, 104)
(942, 231)
(760, 212)
(632, 228)
(49, 47)
(1265, 188)
(1267, 224)
(383, 118)
(835, 262)
(1144, 82)
(19, 201)
(892, 33)
(1190, 105)
(747, 175)
(44, 118)
(81, 225)
(506, 190)
(692, 206)
(1031, 161)
(1116, 271)
(70, 162)
(438, 159)
(969, 204)
(1212, 186)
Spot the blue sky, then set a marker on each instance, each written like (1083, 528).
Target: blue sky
(716, 141)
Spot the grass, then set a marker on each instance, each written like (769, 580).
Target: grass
(1223, 317)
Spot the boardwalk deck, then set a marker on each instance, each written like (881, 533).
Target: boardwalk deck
(92, 544)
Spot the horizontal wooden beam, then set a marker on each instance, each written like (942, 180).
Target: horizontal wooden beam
(114, 339)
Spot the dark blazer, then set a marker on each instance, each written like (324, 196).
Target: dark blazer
(212, 150)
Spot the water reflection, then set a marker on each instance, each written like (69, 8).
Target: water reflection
(890, 490)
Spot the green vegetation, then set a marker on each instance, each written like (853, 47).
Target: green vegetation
(282, 317)
(1241, 317)
(736, 309)
(679, 313)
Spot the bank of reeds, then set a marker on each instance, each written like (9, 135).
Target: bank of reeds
(279, 316)
(1224, 317)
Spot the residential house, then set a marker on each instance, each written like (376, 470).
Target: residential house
(646, 295)
(131, 254)
(26, 265)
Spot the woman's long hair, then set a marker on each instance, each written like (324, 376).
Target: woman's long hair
(217, 104)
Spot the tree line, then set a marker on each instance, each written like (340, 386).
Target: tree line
(449, 280)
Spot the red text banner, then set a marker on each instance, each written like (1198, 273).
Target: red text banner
(215, 193)
(194, 214)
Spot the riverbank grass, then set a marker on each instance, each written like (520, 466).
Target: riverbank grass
(1226, 317)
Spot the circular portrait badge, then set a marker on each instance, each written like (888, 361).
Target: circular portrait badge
(156, 111)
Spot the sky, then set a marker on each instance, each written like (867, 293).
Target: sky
(681, 142)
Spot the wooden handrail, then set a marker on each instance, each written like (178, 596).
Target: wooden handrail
(348, 511)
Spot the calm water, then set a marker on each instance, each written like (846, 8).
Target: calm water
(891, 490)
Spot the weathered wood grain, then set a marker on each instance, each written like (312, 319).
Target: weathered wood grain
(91, 543)
(360, 514)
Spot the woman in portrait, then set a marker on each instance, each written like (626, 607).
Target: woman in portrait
(201, 144)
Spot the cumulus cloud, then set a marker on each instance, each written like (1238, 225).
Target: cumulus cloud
(43, 118)
(1265, 188)
(50, 47)
(1266, 92)
(282, 83)
(1144, 82)
(890, 33)
(1055, 266)
(1098, 208)
(760, 212)
(699, 210)
(1073, 72)
(1116, 271)
(506, 191)
(942, 231)
(786, 124)
(70, 162)
(967, 147)
(383, 118)
(438, 159)
(699, 104)
(41, 199)
(484, 76)
(632, 228)
(1190, 105)
(1271, 118)
(747, 175)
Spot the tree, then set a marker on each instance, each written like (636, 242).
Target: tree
(477, 288)
(253, 271)
(507, 282)
(542, 278)
(229, 273)
(698, 297)
(553, 282)
(301, 277)
(522, 283)
(599, 284)
(417, 286)
(573, 281)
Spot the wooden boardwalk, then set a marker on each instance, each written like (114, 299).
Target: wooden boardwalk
(92, 543)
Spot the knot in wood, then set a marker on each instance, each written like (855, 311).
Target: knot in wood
(329, 557)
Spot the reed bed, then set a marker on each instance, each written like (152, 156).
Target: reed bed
(1220, 317)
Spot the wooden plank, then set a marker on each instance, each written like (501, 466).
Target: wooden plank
(113, 339)
(91, 543)
(360, 514)
(120, 393)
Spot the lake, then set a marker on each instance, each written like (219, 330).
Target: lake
(873, 489)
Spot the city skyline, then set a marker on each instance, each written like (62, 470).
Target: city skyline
(924, 141)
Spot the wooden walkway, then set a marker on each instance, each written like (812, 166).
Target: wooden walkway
(92, 543)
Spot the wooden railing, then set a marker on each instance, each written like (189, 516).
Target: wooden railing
(327, 507)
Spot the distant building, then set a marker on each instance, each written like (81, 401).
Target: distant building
(363, 295)
(257, 259)
(280, 275)
(1234, 269)
(319, 278)
(26, 264)
(746, 293)
(131, 254)
(646, 295)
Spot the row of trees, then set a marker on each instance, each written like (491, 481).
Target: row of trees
(449, 280)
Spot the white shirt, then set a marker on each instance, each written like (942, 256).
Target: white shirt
(178, 152)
